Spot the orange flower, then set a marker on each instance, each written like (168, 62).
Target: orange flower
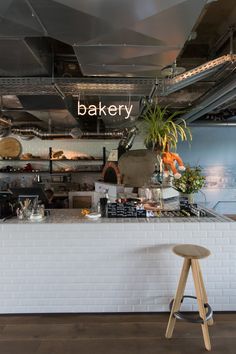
(85, 212)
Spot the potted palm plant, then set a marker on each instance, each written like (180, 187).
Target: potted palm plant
(160, 129)
(162, 133)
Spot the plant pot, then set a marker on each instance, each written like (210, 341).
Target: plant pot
(189, 197)
(154, 147)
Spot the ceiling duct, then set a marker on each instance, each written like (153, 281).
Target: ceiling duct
(221, 95)
(42, 86)
(139, 40)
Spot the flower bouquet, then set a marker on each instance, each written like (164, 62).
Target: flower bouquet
(191, 180)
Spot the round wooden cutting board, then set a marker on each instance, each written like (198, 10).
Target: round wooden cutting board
(10, 147)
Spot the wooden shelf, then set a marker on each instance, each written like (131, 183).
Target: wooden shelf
(53, 160)
(83, 171)
(22, 172)
(19, 160)
(87, 165)
(54, 172)
(79, 160)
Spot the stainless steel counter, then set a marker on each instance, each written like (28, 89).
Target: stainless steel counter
(72, 216)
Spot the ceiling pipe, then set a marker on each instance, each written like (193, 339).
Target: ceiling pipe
(39, 133)
(105, 135)
(212, 125)
(74, 133)
(222, 95)
(4, 122)
(222, 100)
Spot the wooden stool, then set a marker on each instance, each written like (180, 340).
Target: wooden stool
(191, 254)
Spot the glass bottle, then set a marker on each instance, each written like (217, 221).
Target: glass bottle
(103, 204)
(154, 177)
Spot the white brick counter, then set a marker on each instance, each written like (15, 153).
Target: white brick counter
(109, 266)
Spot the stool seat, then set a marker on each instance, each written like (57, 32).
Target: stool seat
(191, 251)
(191, 254)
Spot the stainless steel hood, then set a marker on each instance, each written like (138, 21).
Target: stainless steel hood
(109, 37)
(143, 36)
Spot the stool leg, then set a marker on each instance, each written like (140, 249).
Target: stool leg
(178, 297)
(204, 294)
(202, 312)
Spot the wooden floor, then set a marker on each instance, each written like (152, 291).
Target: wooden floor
(111, 334)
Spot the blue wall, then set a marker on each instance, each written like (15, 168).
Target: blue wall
(210, 146)
(215, 150)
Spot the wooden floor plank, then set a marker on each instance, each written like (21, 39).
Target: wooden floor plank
(70, 318)
(11, 347)
(125, 346)
(141, 346)
(111, 334)
(114, 330)
(138, 346)
(116, 317)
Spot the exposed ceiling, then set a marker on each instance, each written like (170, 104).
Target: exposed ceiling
(54, 52)
(108, 37)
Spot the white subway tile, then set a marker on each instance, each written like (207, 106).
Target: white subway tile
(96, 269)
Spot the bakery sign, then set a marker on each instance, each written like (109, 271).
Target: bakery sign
(103, 110)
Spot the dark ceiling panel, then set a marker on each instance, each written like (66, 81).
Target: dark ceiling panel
(41, 102)
(161, 32)
(69, 25)
(112, 39)
(106, 33)
(126, 37)
(4, 5)
(174, 25)
(10, 29)
(123, 62)
(19, 20)
(23, 58)
(122, 13)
